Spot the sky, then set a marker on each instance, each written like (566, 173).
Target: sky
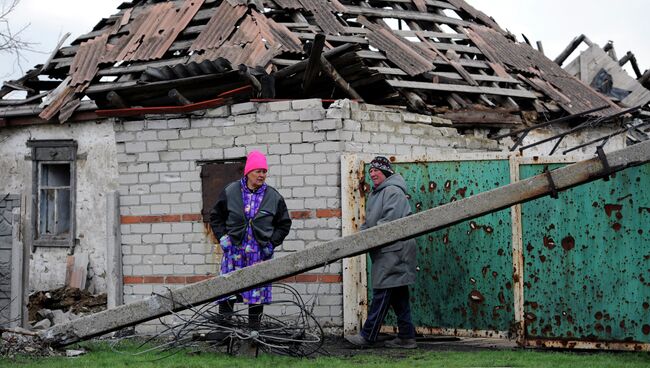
(554, 22)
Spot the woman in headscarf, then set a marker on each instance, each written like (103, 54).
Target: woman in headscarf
(394, 265)
(250, 219)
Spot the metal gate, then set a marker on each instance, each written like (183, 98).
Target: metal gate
(566, 272)
(587, 263)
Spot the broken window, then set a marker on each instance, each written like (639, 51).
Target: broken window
(215, 175)
(53, 190)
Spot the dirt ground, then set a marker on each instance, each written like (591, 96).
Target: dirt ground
(337, 346)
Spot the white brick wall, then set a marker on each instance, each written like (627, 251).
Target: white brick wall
(159, 176)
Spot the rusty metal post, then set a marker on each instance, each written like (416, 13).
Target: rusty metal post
(517, 259)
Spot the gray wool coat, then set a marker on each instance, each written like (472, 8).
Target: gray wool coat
(393, 265)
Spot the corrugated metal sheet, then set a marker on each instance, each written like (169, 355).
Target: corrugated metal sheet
(219, 27)
(587, 260)
(86, 62)
(254, 42)
(548, 77)
(396, 49)
(323, 12)
(191, 69)
(157, 30)
(277, 34)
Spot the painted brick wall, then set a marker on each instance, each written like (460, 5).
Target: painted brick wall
(165, 244)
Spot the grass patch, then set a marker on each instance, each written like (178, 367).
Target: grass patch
(101, 355)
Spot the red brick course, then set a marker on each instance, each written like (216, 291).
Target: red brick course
(190, 279)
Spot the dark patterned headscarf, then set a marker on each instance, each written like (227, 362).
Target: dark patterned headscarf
(383, 164)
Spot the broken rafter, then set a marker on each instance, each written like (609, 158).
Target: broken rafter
(313, 62)
(179, 98)
(629, 56)
(338, 79)
(571, 47)
(461, 88)
(584, 125)
(299, 66)
(295, 263)
(541, 125)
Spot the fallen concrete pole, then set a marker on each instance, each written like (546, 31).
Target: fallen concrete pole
(324, 253)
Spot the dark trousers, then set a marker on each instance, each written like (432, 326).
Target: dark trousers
(254, 312)
(382, 299)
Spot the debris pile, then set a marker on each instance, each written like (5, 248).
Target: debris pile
(47, 308)
(23, 342)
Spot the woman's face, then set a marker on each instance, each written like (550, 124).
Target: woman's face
(377, 177)
(256, 178)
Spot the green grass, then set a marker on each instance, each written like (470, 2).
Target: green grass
(100, 355)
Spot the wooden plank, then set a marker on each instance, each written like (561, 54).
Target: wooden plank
(464, 62)
(462, 89)
(338, 79)
(437, 4)
(450, 75)
(313, 62)
(410, 33)
(364, 41)
(69, 267)
(327, 252)
(404, 14)
(559, 60)
(295, 66)
(79, 271)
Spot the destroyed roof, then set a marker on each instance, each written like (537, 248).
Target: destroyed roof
(601, 69)
(431, 56)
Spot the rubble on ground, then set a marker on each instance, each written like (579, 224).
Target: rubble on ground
(62, 305)
(19, 341)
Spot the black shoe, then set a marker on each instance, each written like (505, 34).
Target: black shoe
(358, 340)
(401, 343)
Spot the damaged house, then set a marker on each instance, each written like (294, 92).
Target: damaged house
(118, 145)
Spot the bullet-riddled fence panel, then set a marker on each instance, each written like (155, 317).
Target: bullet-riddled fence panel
(587, 260)
(569, 272)
(465, 271)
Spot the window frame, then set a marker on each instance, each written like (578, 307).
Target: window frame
(231, 170)
(52, 152)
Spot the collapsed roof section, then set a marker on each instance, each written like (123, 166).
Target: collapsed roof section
(602, 70)
(441, 57)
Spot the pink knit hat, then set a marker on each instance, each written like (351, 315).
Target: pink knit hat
(255, 160)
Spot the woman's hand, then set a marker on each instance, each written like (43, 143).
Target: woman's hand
(226, 243)
(267, 251)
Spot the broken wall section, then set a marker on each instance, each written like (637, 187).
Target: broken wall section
(96, 175)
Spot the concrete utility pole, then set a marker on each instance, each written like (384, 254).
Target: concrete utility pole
(321, 254)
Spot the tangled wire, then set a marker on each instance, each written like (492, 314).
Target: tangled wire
(294, 333)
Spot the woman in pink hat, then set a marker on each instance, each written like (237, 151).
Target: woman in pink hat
(250, 219)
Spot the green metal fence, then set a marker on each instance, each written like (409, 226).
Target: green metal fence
(465, 271)
(586, 257)
(587, 260)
